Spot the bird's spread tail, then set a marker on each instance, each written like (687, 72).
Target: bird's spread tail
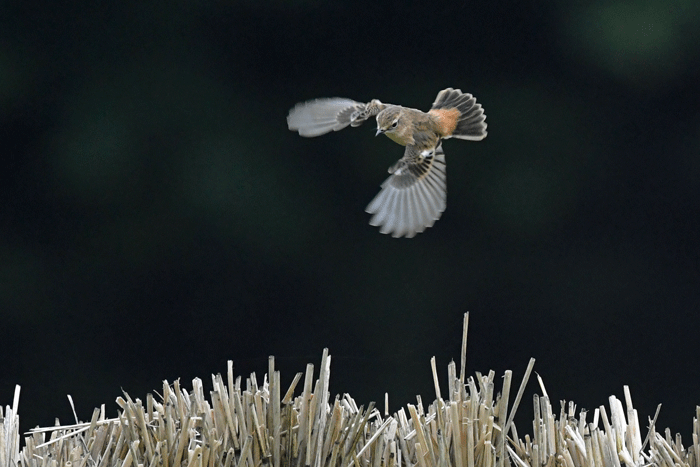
(459, 115)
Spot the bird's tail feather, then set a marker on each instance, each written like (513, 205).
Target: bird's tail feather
(470, 122)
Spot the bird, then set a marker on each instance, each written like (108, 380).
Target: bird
(414, 196)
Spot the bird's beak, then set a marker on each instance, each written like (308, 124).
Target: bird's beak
(379, 132)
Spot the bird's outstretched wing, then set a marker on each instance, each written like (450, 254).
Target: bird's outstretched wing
(414, 196)
(320, 116)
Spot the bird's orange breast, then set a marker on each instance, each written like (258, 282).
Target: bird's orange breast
(446, 120)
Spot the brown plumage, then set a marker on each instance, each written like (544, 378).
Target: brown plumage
(414, 196)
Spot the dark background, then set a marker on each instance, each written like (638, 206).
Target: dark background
(158, 218)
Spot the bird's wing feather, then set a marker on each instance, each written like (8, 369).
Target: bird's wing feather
(414, 196)
(320, 116)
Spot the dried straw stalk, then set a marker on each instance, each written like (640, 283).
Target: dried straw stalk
(247, 424)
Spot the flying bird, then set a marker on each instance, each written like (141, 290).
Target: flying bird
(414, 196)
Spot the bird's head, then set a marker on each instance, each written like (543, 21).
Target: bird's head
(388, 120)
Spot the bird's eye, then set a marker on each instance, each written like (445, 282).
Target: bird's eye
(395, 124)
